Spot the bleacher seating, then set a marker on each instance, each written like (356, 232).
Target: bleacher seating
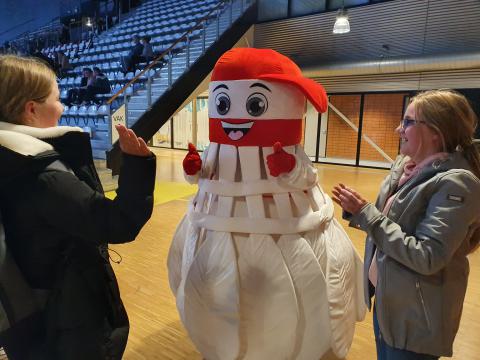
(165, 21)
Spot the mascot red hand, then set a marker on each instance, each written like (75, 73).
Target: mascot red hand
(192, 162)
(280, 161)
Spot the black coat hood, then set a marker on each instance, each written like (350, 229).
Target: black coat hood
(25, 149)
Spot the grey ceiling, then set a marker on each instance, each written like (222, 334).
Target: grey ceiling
(396, 28)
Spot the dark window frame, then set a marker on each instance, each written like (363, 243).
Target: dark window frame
(327, 6)
(409, 94)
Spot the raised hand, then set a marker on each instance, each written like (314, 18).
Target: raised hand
(192, 162)
(280, 161)
(350, 200)
(130, 143)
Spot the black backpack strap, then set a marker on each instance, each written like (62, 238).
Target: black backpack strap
(20, 312)
(18, 301)
(16, 297)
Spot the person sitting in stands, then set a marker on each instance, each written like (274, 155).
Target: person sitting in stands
(133, 58)
(147, 53)
(76, 95)
(100, 85)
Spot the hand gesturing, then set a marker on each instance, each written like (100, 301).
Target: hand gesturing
(130, 143)
(350, 200)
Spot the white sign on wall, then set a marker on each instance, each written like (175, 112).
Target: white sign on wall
(118, 117)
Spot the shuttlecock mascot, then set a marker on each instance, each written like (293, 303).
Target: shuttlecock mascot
(259, 266)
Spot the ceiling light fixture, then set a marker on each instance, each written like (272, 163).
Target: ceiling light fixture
(342, 25)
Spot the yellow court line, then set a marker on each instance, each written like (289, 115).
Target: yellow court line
(166, 191)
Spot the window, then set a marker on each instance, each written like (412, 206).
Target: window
(337, 4)
(337, 136)
(182, 127)
(272, 9)
(202, 124)
(381, 115)
(305, 7)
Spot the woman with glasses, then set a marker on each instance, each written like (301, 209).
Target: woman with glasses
(422, 227)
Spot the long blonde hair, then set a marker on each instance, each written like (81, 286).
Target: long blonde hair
(22, 80)
(450, 114)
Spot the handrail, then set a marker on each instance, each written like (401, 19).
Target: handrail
(157, 59)
(39, 30)
(17, 26)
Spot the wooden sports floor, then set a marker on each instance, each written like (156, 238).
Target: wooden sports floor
(156, 331)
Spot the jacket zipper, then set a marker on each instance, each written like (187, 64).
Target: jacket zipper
(419, 290)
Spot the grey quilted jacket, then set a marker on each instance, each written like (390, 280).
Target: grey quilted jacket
(422, 245)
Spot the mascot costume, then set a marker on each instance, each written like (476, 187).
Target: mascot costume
(259, 266)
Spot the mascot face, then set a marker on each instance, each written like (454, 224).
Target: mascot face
(257, 97)
(255, 113)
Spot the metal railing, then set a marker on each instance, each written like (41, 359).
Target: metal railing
(50, 33)
(187, 38)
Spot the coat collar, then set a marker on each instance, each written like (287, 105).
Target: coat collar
(29, 141)
(455, 160)
(24, 150)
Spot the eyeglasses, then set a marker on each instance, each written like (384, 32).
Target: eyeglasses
(405, 123)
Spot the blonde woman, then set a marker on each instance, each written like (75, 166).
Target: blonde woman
(58, 222)
(421, 229)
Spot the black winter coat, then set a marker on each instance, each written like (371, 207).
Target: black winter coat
(57, 225)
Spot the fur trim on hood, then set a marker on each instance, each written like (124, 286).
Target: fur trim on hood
(26, 140)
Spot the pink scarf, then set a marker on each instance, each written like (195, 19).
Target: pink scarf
(410, 170)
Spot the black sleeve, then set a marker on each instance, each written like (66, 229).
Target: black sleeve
(105, 85)
(137, 50)
(70, 205)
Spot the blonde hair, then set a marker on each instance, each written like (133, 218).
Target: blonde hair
(450, 114)
(22, 80)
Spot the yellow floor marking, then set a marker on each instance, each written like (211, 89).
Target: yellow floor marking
(166, 191)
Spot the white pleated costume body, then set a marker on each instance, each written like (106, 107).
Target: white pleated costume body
(259, 266)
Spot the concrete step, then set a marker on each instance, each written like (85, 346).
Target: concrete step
(137, 106)
(139, 98)
(159, 90)
(102, 126)
(163, 83)
(140, 94)
(159, 86)
(135, 113)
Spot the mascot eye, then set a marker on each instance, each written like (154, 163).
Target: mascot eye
(257, 104)
(222, 102)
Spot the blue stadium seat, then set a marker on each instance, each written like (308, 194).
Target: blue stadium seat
(103, 110)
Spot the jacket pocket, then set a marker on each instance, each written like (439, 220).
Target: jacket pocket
(422, 302)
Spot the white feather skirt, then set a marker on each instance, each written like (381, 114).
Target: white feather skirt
(259, 266)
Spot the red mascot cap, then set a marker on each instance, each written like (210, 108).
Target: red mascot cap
(268, 65)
